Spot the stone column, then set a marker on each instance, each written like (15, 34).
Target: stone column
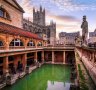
(24, 60)
(42, 56)
(16, 58)
(5, 65)
(36, 42)
(7, 45)
(64, 57)
(35, 56)
(93, 58)
(52, 56)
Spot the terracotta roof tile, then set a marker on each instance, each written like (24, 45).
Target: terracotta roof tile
(5, 28)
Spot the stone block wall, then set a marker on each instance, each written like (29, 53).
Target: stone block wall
(15, 15)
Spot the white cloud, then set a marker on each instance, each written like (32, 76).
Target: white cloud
(69, 5)
(64, 23)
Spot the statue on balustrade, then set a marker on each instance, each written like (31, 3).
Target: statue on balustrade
(84, 27)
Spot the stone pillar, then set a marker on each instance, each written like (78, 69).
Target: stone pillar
(24, 60)
(42, 56)
(7, 45)
(52, 56)
(36, 42)
(5, 65)
(64, 57)
(93, 55)
(16, 58)
(35, 56)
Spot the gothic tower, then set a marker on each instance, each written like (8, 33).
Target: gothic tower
(39, 16)
(52, 33)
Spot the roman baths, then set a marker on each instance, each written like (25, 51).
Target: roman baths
(31, 56)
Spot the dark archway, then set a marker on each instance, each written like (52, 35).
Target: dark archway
(58, 56)
(1, 65)
(39, 54)
(12, 69)
(30, 59)
(1, 43)
(70, 57)
(48, 56)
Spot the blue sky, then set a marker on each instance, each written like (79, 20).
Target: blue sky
(66, 13)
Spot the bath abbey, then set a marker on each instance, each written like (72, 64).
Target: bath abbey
(38, 26)
(32, 58)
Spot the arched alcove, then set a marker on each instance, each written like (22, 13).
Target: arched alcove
(31, 43)
(16, 42)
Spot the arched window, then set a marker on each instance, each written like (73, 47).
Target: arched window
(39, 44)
(4, 14)
(1, 13)
(1, 43)
(16, 42)
(31, 43)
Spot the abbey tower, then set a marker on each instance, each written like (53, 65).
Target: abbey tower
(38, 26)
(39, 16)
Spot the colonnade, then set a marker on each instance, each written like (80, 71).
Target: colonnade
(22, 58)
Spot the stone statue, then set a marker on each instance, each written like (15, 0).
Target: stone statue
(84, 27)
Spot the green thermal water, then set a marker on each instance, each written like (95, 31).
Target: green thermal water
(47, 77)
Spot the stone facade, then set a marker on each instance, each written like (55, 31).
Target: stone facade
(92, 37)
(39, 16)
(88, 57)
(21, 51)
(68, 38)
(38, 26)
(15, 13)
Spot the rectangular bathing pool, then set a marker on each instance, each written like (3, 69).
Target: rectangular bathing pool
(47, 77)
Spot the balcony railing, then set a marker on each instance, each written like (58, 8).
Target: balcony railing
(31, 46)
(60, 45)
(2, 47)
(16, 47)
(39, 46)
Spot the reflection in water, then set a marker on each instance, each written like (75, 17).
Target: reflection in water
(47, 77)
(54, 85)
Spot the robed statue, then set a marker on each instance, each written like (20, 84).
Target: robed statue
(84, 27)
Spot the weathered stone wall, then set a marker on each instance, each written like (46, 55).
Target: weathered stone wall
(88, 61)
(15, 15)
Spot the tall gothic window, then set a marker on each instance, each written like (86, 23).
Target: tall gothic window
(1, 43)
(31, 43)
(16, 42)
